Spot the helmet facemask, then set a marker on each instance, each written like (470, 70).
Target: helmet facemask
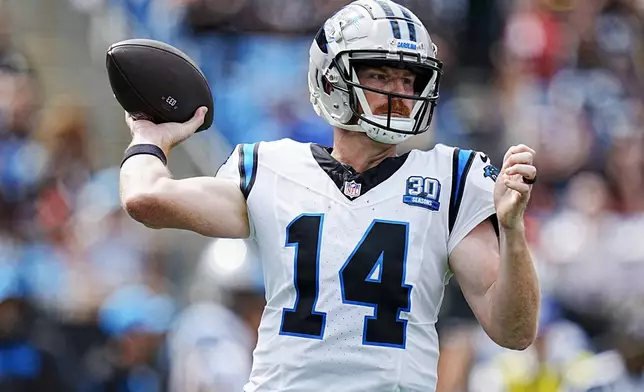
(388, 126)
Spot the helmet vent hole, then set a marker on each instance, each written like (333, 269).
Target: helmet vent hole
(328, 87)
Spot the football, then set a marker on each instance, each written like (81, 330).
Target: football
(155, 81)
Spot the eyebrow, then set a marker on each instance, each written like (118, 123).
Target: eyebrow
(405, 73)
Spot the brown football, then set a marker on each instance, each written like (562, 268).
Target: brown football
(156, 81)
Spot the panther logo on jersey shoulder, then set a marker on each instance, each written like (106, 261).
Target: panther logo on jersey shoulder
(423, 192)
(491, 171)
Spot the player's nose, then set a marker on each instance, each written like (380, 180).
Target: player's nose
(398, 85)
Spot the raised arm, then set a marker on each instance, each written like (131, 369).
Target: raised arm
(210, 206)
(497, 274)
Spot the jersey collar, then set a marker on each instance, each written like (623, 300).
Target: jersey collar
(349, 182)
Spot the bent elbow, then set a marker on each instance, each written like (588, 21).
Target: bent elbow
(141, 207)
(518, 343)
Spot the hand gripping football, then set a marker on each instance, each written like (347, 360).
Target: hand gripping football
(155, 81)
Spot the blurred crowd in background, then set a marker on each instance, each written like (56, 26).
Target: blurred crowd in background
(93, 301)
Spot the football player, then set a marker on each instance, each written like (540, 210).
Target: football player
(358, 242)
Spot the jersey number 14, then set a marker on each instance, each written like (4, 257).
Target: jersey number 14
(382, 252)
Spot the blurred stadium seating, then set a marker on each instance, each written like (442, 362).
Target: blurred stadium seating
(87, 296)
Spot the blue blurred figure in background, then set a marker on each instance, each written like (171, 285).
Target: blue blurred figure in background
(25, 366)
(136, 321)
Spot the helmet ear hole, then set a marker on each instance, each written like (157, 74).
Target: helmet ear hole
(327, 87)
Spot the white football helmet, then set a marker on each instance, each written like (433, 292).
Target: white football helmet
(373, 33)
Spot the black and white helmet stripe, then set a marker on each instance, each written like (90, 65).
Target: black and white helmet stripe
(389, 14)
(402, 22)
(411, 27)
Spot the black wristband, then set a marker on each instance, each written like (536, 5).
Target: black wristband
(149, 149)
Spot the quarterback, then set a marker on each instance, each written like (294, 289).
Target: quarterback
(357, 242)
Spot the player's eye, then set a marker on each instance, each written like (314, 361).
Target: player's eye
(408, 81)
(380, 77)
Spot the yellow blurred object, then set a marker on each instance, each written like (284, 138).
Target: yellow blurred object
(545, 380)
(560, 5)
(523, 372)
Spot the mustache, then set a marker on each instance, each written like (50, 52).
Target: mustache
(397, 106)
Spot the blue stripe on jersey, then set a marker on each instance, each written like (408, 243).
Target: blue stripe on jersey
(247, 167)
(461, 163)
(395, 27)
(463, 156)
(248, 162)
(410, 24)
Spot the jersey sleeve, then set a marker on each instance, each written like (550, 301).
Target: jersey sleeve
(241, 167)
(472, 195)
(230, 168)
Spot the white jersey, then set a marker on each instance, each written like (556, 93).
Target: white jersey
(355, 264)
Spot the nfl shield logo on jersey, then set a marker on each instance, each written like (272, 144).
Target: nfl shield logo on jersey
(352, 189)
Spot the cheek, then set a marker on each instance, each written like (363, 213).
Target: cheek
(375, 99)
